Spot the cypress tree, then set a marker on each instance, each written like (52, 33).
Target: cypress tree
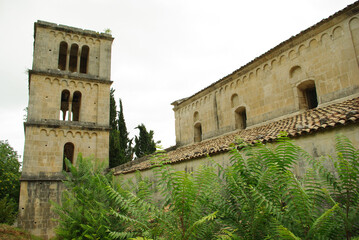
(125, 142)
(144, 143)
(113, 110)
(120, 145)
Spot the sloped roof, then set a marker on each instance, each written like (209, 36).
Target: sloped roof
(306, 122)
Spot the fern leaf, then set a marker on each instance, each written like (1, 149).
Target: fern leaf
(285, 234)
(320, 226)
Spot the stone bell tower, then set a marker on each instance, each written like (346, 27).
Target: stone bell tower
(68, 114)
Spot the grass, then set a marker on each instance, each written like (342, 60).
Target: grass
(11, 233)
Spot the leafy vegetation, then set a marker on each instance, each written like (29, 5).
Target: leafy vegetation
(257, 197)
(9, 183)
(144, 143)
(121, 150)
(10, 233)
(83, 213)
(10, 172)
(8, 210)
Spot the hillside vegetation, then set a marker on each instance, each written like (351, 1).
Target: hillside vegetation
(10, 233)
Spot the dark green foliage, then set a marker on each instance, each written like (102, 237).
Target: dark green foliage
(182, 212)
(144, 143)
(8, 210)
(120, 145)
(9, 172)
(257, 197)
(125, 142)
(115, 156)
(113, 110)
(345, 187)
(266, 200)
(84, 210)
(9, 183)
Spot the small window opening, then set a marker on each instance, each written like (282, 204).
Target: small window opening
(197, 132)
(76, 104)
(311, 97)
(68, 154)
(65, 95)
(62, 56)
(240, 118)
(307, 94)
(73, 57)
(84, 59)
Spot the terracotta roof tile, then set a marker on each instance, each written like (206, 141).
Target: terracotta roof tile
(302, 123)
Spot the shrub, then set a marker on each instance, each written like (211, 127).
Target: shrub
(257, 197)
(8, 210)
(83, 213)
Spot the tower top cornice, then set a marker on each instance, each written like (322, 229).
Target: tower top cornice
(68, 29)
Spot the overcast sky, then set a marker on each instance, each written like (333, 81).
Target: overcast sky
(164, 50)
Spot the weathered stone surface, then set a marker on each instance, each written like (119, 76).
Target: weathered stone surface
(325, 55)
(68, 106)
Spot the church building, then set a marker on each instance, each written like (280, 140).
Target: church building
(307, 86)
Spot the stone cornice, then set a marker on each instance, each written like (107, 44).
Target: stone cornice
(68, 75)
(31, 177)
(50, 123)
(69, 29)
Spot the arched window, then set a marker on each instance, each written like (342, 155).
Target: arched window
(240, 117)
(73, 57)
(307, 94)
(64, 107)
(62, 56)
(197, 132)
(76, 104)
(84, 59)
(68, 154)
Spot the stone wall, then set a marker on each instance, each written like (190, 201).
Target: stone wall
(35, 208)
(325, 56)
(44, 147)
(45, 97)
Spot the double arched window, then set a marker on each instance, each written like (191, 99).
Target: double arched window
(72, 103)
(74, 51)
(62, 56)
(73, 56)
(84, 59)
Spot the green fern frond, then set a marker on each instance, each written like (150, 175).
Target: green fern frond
(121, 235)
(198, 223)
(321, 224)
(285, 234)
